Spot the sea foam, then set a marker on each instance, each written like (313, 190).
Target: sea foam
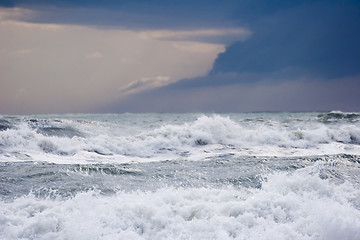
(297, 205)
(61, 140)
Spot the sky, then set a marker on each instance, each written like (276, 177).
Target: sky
(179, 56)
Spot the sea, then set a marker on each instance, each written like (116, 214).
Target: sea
(180, 176)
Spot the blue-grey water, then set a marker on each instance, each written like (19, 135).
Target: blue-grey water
(180, 176)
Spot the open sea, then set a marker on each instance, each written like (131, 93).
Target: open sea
(180, 176)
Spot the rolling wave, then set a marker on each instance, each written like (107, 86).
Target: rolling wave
(31, 138)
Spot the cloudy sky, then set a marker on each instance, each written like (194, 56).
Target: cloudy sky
(179, 56)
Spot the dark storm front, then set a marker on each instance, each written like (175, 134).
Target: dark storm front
(180, 176)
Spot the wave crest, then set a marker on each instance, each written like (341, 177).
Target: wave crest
(202, 137)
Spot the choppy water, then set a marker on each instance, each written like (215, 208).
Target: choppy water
(180, 176)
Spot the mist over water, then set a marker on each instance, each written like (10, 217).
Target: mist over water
(180, 176)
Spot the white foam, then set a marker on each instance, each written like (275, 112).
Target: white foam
(296, 205)
(191, 140)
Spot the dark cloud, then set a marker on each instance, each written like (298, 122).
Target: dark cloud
(7, 3)
(140, 14)
(302, 56)
(320, 39)
(184, 14)
(315, 41)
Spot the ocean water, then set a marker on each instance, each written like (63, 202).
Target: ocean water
(180, 176)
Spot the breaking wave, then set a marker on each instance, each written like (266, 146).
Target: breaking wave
(298, 205)
(260, 176)
(209, 134)
(336, 115)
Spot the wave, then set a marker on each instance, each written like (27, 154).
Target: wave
(336, 115)
(207, 134)
(5, 124)
(297, 205)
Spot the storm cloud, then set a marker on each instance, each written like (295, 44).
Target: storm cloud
(218, 56)
(300, 57)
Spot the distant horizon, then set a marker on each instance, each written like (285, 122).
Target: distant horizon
(206, 113)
